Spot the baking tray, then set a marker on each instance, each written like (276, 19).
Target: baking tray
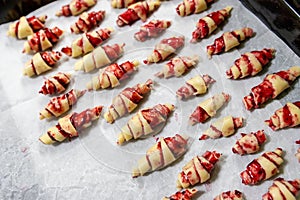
(93, 165)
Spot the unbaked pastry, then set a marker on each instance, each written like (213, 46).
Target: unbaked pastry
(282, 189)
(140, 10)
(286, 116)
(41, 62)
(26, 26)
(223, 127)
(127, 100)
(75, 7)
(178, 66)
(262, 168)
(230, 195)
(70, 125)
(87, 42)
(42, 40)
(87, 21)
(186, 194)
(163, 153)
(152, 29)
(198, 170)
(271, 87)
(110, 76)
(56, 84)
(228, 41)
(249, 143)
(99, 57)
(164, 49)
(208, 108)
(61, 104)
(188, 7)
(195, 86)
(148, 121)
(208, 24)
(250, 63)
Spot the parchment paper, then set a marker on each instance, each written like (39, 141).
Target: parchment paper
(93, 166)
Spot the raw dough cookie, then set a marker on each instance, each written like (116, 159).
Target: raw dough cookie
(208, 108)
(61, 104)
(286, 116)
(283, 190)
(127, 100)
(26, 26)
(228, 41)
(152, 29)
(99, 57)
(198, 169)
(42, 40)
(262, 168)
(225, 126)
(148, 121)
(140, 10)
(271, 87)
(87, 42)
(249, 143)
(110, 76)
(87, 21)
(164, 49)
(75, 7)
(188, 7)
(178, 66)
(250, 63)
(56, 84)
(41, 62)
(163, 153)
(208, 24)
(70, 125)
(195, 86)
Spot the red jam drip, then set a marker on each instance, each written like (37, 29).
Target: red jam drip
(94, 40)
(53, 34)
(218, 46)
(212, 157)
(152, 117)
(181, 195)
(176, 144)
(256, 173)
(286, 76)
(81, 119)
(174, 42)
(260, 136)
(112, 52)
(202, 29)
(297, 103)
(287, 116)
(132, 95)
(67, 51)
(34, 42)
(17, 29)
(245, 59)
(217, 17)
(128, 17)
(199, 115)
(35, 23)
(66, 11)
(116, 70)
(264, 56)
(263, 92)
